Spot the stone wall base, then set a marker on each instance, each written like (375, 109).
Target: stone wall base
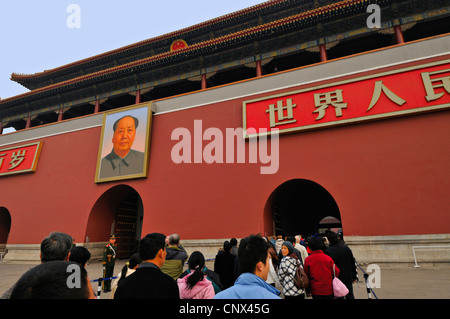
(382, 250)
(395, 250)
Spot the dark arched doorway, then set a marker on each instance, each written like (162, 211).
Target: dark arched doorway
(5, 227)
(118, 211)
(298, 206)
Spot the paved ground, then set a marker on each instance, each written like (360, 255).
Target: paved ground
(395, 282)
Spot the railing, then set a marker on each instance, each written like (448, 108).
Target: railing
(425, 248)
(366, 280)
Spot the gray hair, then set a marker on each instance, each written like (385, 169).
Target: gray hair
(56, 247)
(174, 239)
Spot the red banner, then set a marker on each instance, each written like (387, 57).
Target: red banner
(19, 159)
(406, 91)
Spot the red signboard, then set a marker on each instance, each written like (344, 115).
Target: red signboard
(19, 159)
(406, 91)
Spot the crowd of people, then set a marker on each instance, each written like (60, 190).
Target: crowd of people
(255, 268)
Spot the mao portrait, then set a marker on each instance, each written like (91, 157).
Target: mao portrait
(123, 150)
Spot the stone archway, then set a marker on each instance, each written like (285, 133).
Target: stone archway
(118, 211)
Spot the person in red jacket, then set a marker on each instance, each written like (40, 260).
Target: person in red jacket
(319, 268)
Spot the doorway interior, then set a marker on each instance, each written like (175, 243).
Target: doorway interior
(128, 224)
(5, 227)
(301, 206)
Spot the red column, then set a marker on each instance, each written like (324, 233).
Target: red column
(28, 125)
(204, 81)
(258, 68)
(323, 52)
(399, 34)
(60, 115)
(97, 106)
(138, 97)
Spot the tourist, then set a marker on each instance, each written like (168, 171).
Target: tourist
(224, 266)
(148, 281)
(195, 285)
(56, 246)
(319, 269)
(343, 258)
(254, 262)
(272, 277)
(234, 248)
(80, 255)
(287, 270)
(278, 243)
(176, 257)
(300, 247)
(129, 268)
(210, 275)
(52, 280)
(290, 239)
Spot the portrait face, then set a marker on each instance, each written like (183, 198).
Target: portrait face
(124, 144)
(124, 136)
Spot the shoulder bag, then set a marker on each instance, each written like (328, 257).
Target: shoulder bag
(301, 280)
(339, 289)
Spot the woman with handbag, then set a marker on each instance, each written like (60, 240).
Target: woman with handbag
(321, 271)
(287, 270)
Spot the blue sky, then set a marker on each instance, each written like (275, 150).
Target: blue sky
(34, 35)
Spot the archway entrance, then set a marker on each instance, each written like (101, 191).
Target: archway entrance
(5, 226)
(301, 206)
(118, 211)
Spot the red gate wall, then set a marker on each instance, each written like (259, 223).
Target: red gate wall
(388, 177)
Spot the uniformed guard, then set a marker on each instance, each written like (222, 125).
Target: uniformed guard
(109, 259)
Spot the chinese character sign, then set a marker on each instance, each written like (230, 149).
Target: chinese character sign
(399, 92)
(19, 159)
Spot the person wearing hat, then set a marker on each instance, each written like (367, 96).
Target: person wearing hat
(287, 270)
(108, 261)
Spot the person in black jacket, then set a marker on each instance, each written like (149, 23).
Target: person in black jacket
(148, 281)
(344, 260)
(224, 266)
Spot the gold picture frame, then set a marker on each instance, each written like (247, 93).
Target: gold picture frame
(112, 166)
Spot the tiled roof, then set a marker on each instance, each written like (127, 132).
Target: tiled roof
(233, 38)
(175, 34)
